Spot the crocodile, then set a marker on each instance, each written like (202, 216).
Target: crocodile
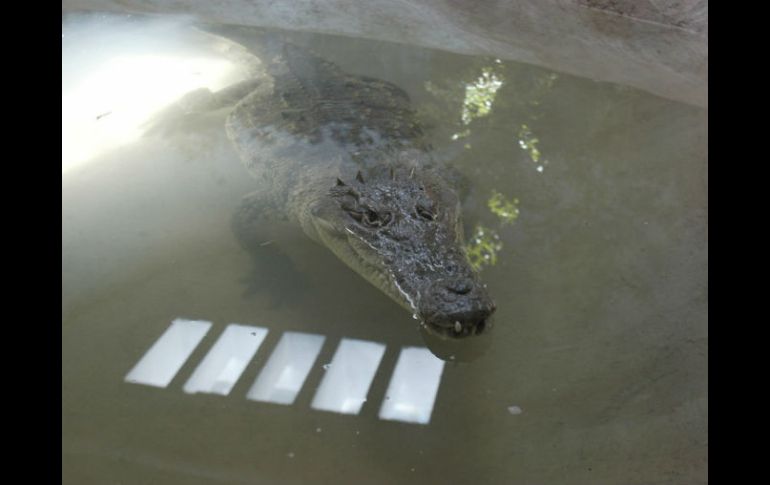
(345, 158)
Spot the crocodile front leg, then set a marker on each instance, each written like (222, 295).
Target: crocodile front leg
(191, 110)
(256, 224)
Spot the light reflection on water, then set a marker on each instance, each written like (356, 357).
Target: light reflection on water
(284, 374)
(346, 381)
(162, 361)
(116, 73)
(226, 361)
(600, 281)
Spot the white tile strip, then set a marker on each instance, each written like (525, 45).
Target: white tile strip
(284, 374)
(410, 396)
(346, 383)
(223, 365)
(163, 360)
(413, 386)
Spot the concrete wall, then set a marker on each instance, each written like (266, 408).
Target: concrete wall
(660, 46)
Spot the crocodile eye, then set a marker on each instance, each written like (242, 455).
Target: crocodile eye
(371, 218)
(425, 213)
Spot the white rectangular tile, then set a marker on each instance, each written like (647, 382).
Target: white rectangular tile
(285, 372)
(225, 362)
(413, 386)
(347, 379)
(163, 360)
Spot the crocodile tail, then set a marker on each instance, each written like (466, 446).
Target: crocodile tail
(270, 49)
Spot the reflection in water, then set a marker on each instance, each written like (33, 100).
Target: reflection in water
(343, 389)
(485, 244)
(282, 377)
(348, 377)
(167, 355)
(506, 210)
(413, 387)
(223, 365)
(480, 95)
(528, 142)
(483, 247)
(131, 71)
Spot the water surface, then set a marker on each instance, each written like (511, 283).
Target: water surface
(587, 215)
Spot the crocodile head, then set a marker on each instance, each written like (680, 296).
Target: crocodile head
(401, 229)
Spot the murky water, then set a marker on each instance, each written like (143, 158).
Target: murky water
(587, 214)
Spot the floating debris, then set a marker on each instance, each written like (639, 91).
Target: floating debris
(515, 410)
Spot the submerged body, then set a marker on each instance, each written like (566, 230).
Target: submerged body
(344, 157)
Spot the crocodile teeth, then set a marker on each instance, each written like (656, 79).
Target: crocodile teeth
(458, 327)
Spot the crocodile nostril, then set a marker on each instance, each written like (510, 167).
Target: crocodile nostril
(460, 287)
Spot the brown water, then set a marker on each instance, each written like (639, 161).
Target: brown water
(595, 372)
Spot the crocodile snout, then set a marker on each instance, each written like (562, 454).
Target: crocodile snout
(457, 307)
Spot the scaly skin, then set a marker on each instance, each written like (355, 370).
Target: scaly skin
(344, 157)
